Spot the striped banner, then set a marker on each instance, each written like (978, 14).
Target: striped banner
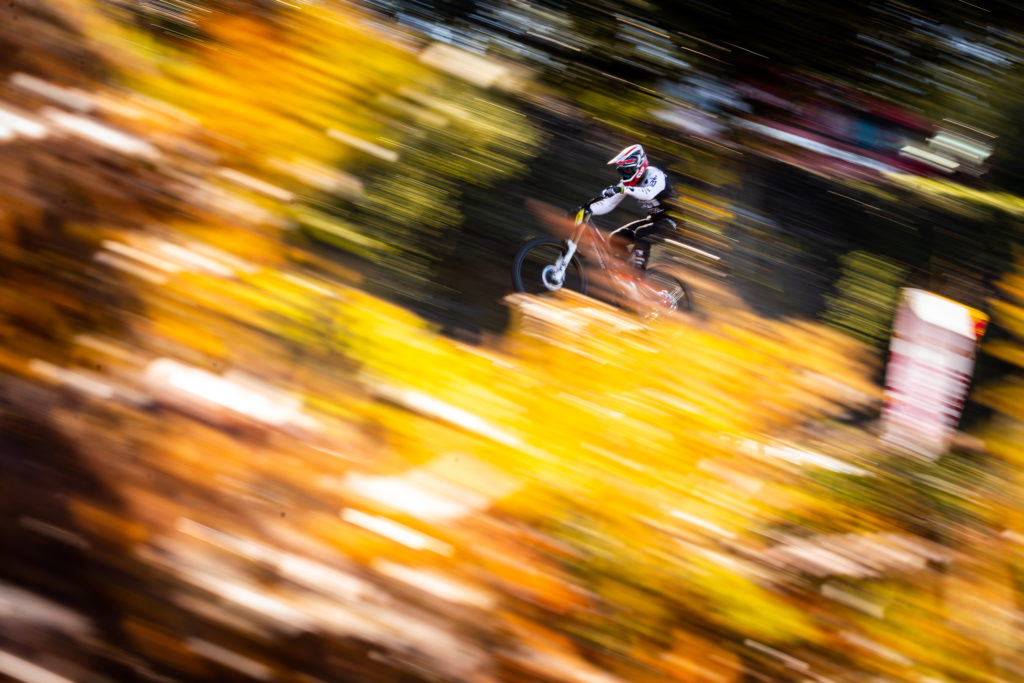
(931, 361)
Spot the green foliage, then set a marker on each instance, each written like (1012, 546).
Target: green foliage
(867, 294)
(413, 205)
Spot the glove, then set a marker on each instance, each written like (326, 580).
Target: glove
(611, 191)
(585, 208)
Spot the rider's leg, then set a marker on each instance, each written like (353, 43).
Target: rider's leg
(643, 234)
(622, 239)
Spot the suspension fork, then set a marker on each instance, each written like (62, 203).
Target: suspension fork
(571, 245)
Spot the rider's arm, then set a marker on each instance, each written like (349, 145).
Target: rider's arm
(650, 188)
(602, 206)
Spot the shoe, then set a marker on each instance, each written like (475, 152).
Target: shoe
(635, 258)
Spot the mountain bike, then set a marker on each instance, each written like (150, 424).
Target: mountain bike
(545, 264)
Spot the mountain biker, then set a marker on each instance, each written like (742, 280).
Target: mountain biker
(650, 186)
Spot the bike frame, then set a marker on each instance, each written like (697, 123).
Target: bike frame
(599, 241)
(632, 289)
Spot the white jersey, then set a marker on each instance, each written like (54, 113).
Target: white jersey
(650, 193)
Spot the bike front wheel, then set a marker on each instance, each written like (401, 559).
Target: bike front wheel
(534, 268)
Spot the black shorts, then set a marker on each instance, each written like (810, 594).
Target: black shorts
(645, 228)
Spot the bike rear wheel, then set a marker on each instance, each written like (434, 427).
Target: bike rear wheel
(533, 270)
(672, 292)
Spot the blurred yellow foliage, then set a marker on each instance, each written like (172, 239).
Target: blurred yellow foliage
(603, 484)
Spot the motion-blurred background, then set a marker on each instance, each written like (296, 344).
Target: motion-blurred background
(268, 413)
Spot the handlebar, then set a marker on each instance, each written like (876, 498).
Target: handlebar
(585, 208)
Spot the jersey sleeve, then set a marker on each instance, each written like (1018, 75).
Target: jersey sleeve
(651, 187)
(606, 205)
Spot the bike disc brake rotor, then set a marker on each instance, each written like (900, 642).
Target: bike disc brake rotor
(551, 279)
(667, 300)
(663, 297)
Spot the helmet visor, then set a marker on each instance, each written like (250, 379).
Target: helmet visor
(627, 171)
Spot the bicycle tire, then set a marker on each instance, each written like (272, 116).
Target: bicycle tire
(533, 283)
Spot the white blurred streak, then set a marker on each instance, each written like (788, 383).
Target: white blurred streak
(705, 254)
(562, 667)
(470, 67)
(959, 146)
(363, 145)
(447, 488)
(23, 670)
(802, 457)
(881, 552)
(791, 662)
(309, 573)
(694, 122)
(188, 259)
(53, 531)
(69, 97)
(142, 256)
(443, 647)
(918, 547)
(319, 176)
(72, 379)
(436, 584)
(881, 650)
(162, 107)
(255, 184)
(19, 605)
(252, 599)
(460, 475)
(401, 494)
(856, 555)
(108, 348)
(721, 559)
(122, 106)
(248, 549)
(200, 388)
(749, 484)
(546, 36)
(430, 406)
(323, 579)
(221, 614)
(232, 660)
(823, 562)
(1014, 536)
(703, 523)
(379, 619)
(14, 123)
(575, 318)
(935, 160)
(961, 124)
(208, 195)
(544, 312)
(851, 600)
(230, 260)
(308, 284)
(128, 266)
(396, 532)
(102, 134)
(342, 620)
(818, 147)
